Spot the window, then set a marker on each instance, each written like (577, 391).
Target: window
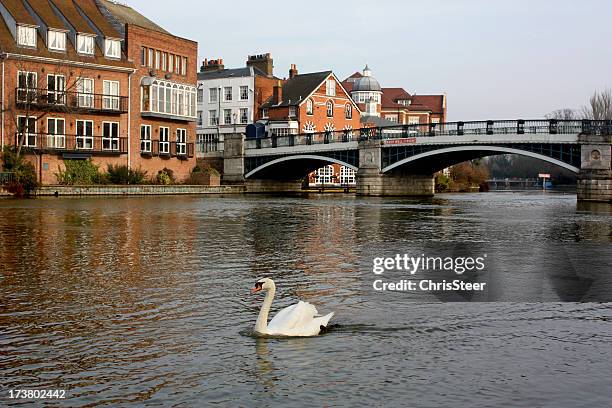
(26, 36)
(244, 115)
(181, 142)
(56, 133)
(435, 120)
(244, 92)
(309, 107)
(55, 89)
(143, 56)
(200, 119)
(56, 40)
(112, 48)
(150, 58)
(27, 82)
(84, 134)
(207, 143)
(200, 96)
(85, 44)
(157, 59)
(264, 113)
(324, 175)
(279, 132)
(347, 175)
(164, 61)
(110, 136)
(184, 66)
(330, 87)
(227, 116)
(110, 99)
(227, 94)
(292, 112)
(213, 119)
(330, 109)
(164, 140)
(27, 130)
(214, 95)
(170, 62)
(145, 138)
(348, 111)
(85, 87)
(413, 120)
(169, 98)
(391, 118)
(177, 64)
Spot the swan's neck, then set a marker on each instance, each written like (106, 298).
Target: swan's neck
(261, 325)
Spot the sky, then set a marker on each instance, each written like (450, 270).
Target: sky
(494, 59)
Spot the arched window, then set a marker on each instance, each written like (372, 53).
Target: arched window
(309, 127)
(309, 107)
(348, 111)
(330, 109)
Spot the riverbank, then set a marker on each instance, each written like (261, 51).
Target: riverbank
(137, 190)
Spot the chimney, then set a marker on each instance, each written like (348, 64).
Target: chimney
(212, 65)
(277, 93)
(293, 71)
(262, 62)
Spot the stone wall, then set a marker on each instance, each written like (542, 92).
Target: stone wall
(137, 190)
(273, 186)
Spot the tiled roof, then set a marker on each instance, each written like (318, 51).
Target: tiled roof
(299, 87)
(70, 12)
(348, 86)
(434, 102)
(231, 73)
(396, 93)
(92, 11)
(45, 12)
(19, 12)
(127, 15)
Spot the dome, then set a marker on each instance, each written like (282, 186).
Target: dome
(367, 83)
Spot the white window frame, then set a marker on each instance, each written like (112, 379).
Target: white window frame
(86, 44)
(184, 66)
(181, 142)
(164, 140)
(30, 137)
(309, 107)
(85, 140)
(23, 93)
(329, 105)
(55, 139)
(85, 94)
(55, 36)
(227, 120)
(324, 174)
(56, 96)
(110, 95)
(244, 115)
(228, 96)
(414, 120)
(27, 36)
(347, 175)
(292, 112)
(110, 141)
(348, 111)
(145, 138)
(213, 118)
(244, 92)
(213, 95)
(264, 113)
(112, 48)
(330, 87)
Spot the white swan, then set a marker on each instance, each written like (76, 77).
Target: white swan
(301, 319)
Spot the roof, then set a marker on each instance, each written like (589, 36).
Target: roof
(366, 84)
(45, 12)
(376, 121)
(396, 93)
(123, 14)
(17, 9)
(354, 77)
(299, 87)
(94, 14)
(230, 73)
(434, 102)
(70, 12)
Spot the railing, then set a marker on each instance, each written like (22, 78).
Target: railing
(70, 101)
(6, 177)
(73, 143)
(167, 149)
(209, 146)
(490, 127)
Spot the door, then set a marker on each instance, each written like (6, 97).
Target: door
(111, 95)
(85, 87)
(55, 89)
(84, 137)
(56, 133)
(110, 136)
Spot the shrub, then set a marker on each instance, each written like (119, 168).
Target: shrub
(80, 172)
(202, 175)
(120, 174)
(25, 180)
(165, 177)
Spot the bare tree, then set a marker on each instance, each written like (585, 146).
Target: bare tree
(563, 114)
(600, 106)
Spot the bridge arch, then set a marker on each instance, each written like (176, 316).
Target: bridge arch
(476, 151)
(312, 162)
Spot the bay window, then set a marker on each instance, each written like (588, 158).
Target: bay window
(170, 98)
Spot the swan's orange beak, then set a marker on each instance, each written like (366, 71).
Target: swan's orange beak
(255, 289)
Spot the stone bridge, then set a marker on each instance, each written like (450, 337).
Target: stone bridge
(402, 160)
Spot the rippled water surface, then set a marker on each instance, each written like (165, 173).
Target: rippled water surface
(145, 300)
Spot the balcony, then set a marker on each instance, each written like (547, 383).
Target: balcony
(74, 146)
(68, 102)
(182, 151)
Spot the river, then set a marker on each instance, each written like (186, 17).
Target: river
(146, 300)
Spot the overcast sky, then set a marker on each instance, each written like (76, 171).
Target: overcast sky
(494, 59)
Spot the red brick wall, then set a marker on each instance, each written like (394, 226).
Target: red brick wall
(136, 38)
(263, 90)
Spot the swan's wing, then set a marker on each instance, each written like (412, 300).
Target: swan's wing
(294, 316)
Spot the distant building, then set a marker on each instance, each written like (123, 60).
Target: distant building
(229, 99)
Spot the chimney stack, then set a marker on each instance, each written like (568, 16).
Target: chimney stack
(277, 93)
(293, 71)
(263, 62)
(212, 65)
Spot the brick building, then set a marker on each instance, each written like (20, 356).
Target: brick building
(73, 87)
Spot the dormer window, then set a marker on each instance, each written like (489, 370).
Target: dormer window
(85, 44)
(26, 36)
(112, 49)
(56, 40)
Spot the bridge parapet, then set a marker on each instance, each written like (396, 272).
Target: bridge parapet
(595, 177)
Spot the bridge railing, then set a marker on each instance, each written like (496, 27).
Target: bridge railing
(484, 127)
